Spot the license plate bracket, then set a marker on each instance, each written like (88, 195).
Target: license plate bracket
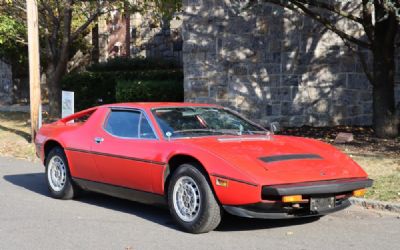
(320, 204)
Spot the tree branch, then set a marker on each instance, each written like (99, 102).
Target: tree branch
(93, 17)
(296, 5)
(393, 27)
(85, 25)
(326, 22)
(332, 8)
(48, 9)
(367, 23)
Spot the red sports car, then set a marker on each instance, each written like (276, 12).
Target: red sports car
(198, 159)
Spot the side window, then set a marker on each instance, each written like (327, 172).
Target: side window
(145, 129)
(123, 123)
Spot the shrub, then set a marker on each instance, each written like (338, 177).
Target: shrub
(149, 90)
(139, 79)
(90, 88)
(133, 64)
(94, 88)
(171, 74)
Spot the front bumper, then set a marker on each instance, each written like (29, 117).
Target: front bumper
(273, 208)
(317, 187)
(280, 211)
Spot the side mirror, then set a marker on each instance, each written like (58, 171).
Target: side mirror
(274, 127)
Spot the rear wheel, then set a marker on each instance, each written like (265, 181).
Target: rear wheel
(191, 200)
(58, 176)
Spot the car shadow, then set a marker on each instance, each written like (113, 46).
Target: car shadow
(232, 223)
(35, 182)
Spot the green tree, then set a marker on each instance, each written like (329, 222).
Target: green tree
(13, 47)
(164, 10)
(63, 24)
(380, 22)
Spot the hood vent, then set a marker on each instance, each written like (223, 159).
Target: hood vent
(288, 157)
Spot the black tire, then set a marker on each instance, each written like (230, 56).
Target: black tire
(68, 190)
(209, 214)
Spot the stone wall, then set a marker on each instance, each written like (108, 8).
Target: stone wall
(5, 83)
(273, 65)
(150, 38)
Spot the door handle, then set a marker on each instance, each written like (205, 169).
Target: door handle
(98, 139)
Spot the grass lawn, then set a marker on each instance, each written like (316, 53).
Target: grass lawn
(385, 170)
(15, 136)
(380, 158)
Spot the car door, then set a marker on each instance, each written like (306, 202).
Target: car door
(125, 148)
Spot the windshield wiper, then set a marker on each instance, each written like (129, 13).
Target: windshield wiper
(218, 131)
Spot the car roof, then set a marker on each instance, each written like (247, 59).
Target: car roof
(159, 104)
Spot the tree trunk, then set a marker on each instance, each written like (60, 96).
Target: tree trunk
(55, 71)
(54, 88)
(385, 121)
(384, 113)
(58, 65)
(95, 43)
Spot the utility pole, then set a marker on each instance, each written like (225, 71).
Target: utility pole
(34, 65)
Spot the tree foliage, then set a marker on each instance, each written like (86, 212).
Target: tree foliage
(13, 47)
(63, 24)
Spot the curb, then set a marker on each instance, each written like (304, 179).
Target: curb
(377, 205)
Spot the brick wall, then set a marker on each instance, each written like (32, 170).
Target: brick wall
(273, 65)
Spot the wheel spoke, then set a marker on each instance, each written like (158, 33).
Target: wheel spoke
(186, 198)
(57, 173)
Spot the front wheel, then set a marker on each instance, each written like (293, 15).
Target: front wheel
(58, 176)
(192, 202)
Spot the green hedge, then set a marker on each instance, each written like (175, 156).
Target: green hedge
(149, 90)
(90, 88)
(133, 64)
(94, 88)
(170, 74)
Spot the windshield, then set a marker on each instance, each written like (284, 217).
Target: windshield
(202, 121)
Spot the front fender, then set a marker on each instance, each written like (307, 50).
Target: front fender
(241, 188)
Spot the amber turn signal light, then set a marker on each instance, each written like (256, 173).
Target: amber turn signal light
(292, 198)
(359, 192)
(221, 182)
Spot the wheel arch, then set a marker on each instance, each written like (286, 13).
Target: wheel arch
(48, 146)
(177, 160)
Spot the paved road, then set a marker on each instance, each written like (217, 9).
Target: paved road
(29, 219)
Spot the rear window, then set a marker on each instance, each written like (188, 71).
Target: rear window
(84, 118)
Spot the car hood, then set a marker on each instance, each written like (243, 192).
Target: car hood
(273, 159)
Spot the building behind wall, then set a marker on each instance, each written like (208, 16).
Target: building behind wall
(148, 38)
(273, 65)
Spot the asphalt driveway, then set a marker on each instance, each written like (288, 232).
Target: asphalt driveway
(30, 219)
